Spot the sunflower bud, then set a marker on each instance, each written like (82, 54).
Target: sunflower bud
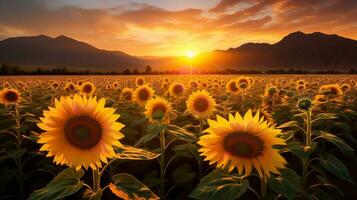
(304, 104)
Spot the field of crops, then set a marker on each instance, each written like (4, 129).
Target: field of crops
(178, 137)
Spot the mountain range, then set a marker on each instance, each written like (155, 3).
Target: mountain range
(313, 51)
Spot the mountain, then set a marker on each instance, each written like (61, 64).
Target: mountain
(62, 51)
(313, 51)
(297, 50)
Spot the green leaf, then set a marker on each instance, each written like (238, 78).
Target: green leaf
(340, 144)
(33, 136)
(151, 132)
(287, 135)
(64, 184)
(218, 185)
(151, 179)
(286, 184)
(300, 150)
(127, 152)
(181, 133)
(183, 174)
(127, 187)
(336, 167)
(187, 150)
(324, 116)
(288, 124)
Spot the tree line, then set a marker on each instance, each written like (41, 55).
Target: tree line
(6, 69)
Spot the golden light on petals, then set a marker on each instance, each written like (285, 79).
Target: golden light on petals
(127, 94)
(70, 87)
(80, 132)
(176, 89)
(9, 96)
(142, 94)
(158, 106)
(243, 142)
(201, 104)
(87, 88)
(139, 81)
(232, 87)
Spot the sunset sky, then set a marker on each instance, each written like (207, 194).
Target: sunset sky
(174, 27)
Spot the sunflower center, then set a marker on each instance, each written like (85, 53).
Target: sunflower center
(334, 91)
(178, 89)
(83, 132)
(159, 108)
(11, 96)
(201, 104)
(243, 144)
(87, 88)
(144, 94)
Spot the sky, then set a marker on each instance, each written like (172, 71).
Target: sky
(174, 27)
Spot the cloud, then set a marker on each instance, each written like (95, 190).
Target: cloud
(142, 29)
(224, 5)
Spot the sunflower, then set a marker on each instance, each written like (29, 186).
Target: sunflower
(332, 90)
(201, 104)
(193, 84)
(345, 87)
(176, 89)
(87, 88)
(319, 99)
(267, 116)
(158, 108)
(127, 94)
(243, 143)
(6, 84)
(55, 85)
(70, 87)
(270, 90)
(115, 84)
(164, 86)
(300, 82)
(232, 87)
(9, 96)
(300, 88)
(80, 132)
(142, 94)
(243, 83)
(139, 81)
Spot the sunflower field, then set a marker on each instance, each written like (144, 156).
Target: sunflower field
(218, 137)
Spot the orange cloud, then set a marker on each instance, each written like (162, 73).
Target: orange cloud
(141, 29)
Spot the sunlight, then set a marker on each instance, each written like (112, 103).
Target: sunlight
(190, 54)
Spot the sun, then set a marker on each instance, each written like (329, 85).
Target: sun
(190, 54)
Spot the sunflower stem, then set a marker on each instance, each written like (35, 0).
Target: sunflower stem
(162, 164)
(96, 180)
(18, 147)
(305, 162)
(200, 160)
(263, 185)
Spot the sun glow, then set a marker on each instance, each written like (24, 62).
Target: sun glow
(190, 54)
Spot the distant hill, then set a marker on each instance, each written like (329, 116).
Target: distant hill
(296, 50)
(62, 51)
(314, 51)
